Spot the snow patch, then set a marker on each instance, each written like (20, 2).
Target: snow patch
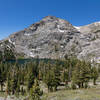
(62, 46)
(60, 29)
(78, 28)
(11, 42)
(33, 49)
(31, 54)
(97, 23)
(27, 34)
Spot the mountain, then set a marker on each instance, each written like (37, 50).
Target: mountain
(53, 38)
(91, 36)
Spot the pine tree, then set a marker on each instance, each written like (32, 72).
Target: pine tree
(64, 76)
(49, 79)
(22, 91)
(18, 87)
(2, 75)
(56, 77)
(8, 89)
(52, 78)
(14, 84)
(76, 76)
(30, 80)
(8, 54)
(35, 91)
(81, 74)
(1, 56)
(95, 74)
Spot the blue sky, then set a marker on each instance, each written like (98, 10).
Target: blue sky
(16, 15)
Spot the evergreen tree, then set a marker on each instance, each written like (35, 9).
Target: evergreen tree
(14, 84)
(53, 78)
(95, 74)
(49, 79)
(30, 80)
(81, 74)
(22, 91)
(56, 79)
(64, 75)
(8, 89)
(1, 56)
(18, 87)
(35, 91)
(8, 54)
(2, 75)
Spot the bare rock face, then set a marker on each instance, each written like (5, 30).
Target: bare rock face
(50, 38)
(54, 38)
(91, 41)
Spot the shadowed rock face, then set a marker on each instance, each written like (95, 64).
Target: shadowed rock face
(53, 38)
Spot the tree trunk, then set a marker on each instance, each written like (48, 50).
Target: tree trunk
(94, 81)
(79, 85)
(13, 92)
(1, 88)
(82, 85)
(55, 88)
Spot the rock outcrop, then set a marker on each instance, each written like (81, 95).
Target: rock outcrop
(54, 38)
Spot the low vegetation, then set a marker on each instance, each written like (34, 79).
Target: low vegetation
(24, 79)
(78, 94)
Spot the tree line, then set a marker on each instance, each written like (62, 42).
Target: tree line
(24, 79)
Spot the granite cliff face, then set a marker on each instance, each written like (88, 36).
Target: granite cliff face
(91, 41)
(53, 38)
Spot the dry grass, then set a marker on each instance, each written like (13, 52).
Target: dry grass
(80, 94)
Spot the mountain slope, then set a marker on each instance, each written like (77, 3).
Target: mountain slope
(91, 47)
(50, 38)
(54, 38)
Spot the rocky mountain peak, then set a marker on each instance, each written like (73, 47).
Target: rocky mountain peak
(46, 38)
(53, 37)
(53, 18)
(51, 21)
(50, 18)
